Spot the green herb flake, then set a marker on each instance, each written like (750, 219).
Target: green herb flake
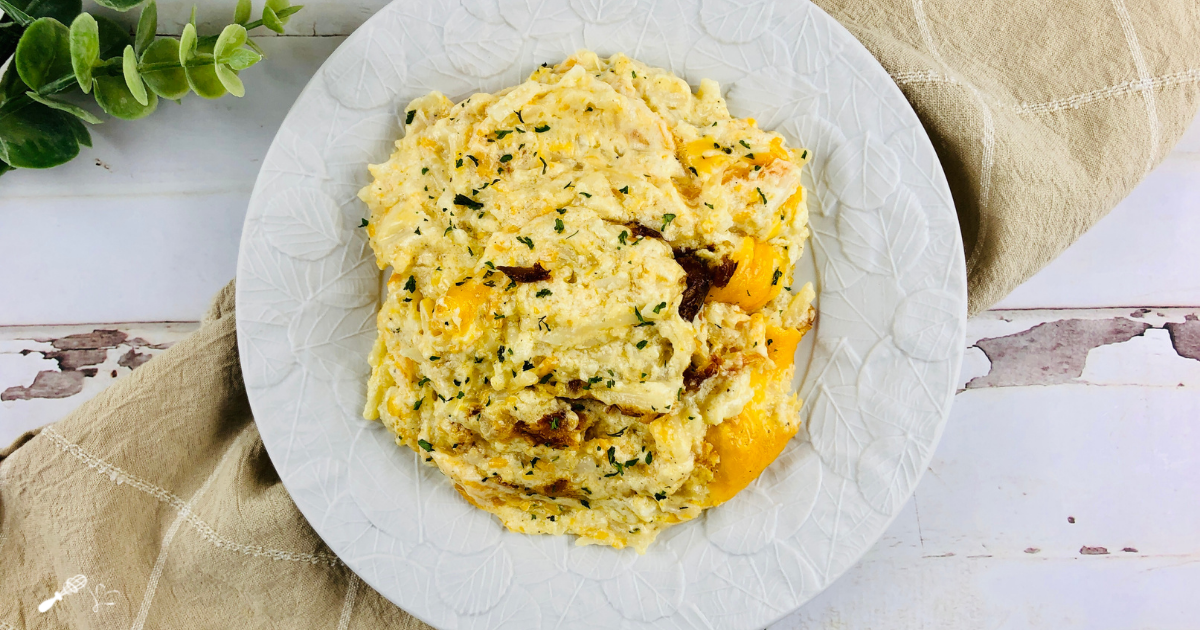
(408, 118)
(500, 133)
(588, 195)
(584, 503)
(761, 196)
(624, 190)
(649, 458)
(518, 113)
(659, 496)
(559, 226)
(417, 405)
(543, 293)
(667, 219)
(411, 285)
(690, 168)
(425, 445)
(472, 158)
(542, 128)
(505, 158)
(458, 163)
(526, 240)
(434, 358)
(463, 200)
(743, 143)
(363, 224)
(621, 237)
(661, 306)
(775, 277)
(804, 154)
(543, 165)
(528, 365)
(424, 379)
(642, 344)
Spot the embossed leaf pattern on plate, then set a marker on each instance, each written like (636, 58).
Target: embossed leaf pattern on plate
(877, 387)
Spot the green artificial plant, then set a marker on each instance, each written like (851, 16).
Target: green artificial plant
(53, 48)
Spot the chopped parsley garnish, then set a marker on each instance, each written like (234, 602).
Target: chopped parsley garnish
(424, 379)
(561, 210)
(761, 196)
(417, 405)
(617, 434)
(434, 358)
(526, 240)
(463, 200)
(554, 423)
(500, 133)
(411, 285)
(710, 206)
(804, 154)
(659, 496)
(425, 445)
(472, 158)
(424, 169)
(458, 163)
(642, 344)
(505, 158)
(690, 168)
(661, 306)
(545, 292)
(363, 224)
(559, 226)
(743, 143)
(585, 503)
(489, 264)
(667, 219)
(621, 237)
(633, 73)
(528, 365)
(542, 128)
(624, 190)
(498, 316)
(649, 458)
(409, 117)
(543, 165)
(775, 277)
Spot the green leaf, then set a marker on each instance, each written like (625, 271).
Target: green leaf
(132, 78)
(5, 167)
(119, 5)
(85, 49)
(171, 82)
(147, 27)
(242, 58)
(36, 136)
(241, 14)
(203, 79)
(113, 37)
(232, 38)
(187, 44)
(256, 48)
(62, 10)
(271, 20)
(11, 85)
(287, 12)
(44, 53)
(79, 130)
(114, 97)
(230, 80)
(64, 106)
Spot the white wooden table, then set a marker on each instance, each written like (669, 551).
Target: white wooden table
(1065, 493)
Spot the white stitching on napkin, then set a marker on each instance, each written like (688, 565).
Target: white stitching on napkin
(348, 603)
(206, 531)
(1139, 62)
(184, 512)
(1075, 101)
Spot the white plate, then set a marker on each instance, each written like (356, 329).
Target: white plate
(878, 383)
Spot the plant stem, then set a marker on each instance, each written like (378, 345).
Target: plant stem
(18, 16)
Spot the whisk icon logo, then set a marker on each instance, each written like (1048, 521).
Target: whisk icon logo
(71, 586)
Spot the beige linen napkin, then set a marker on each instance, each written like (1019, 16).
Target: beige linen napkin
(1045, 113)
(159, 492)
